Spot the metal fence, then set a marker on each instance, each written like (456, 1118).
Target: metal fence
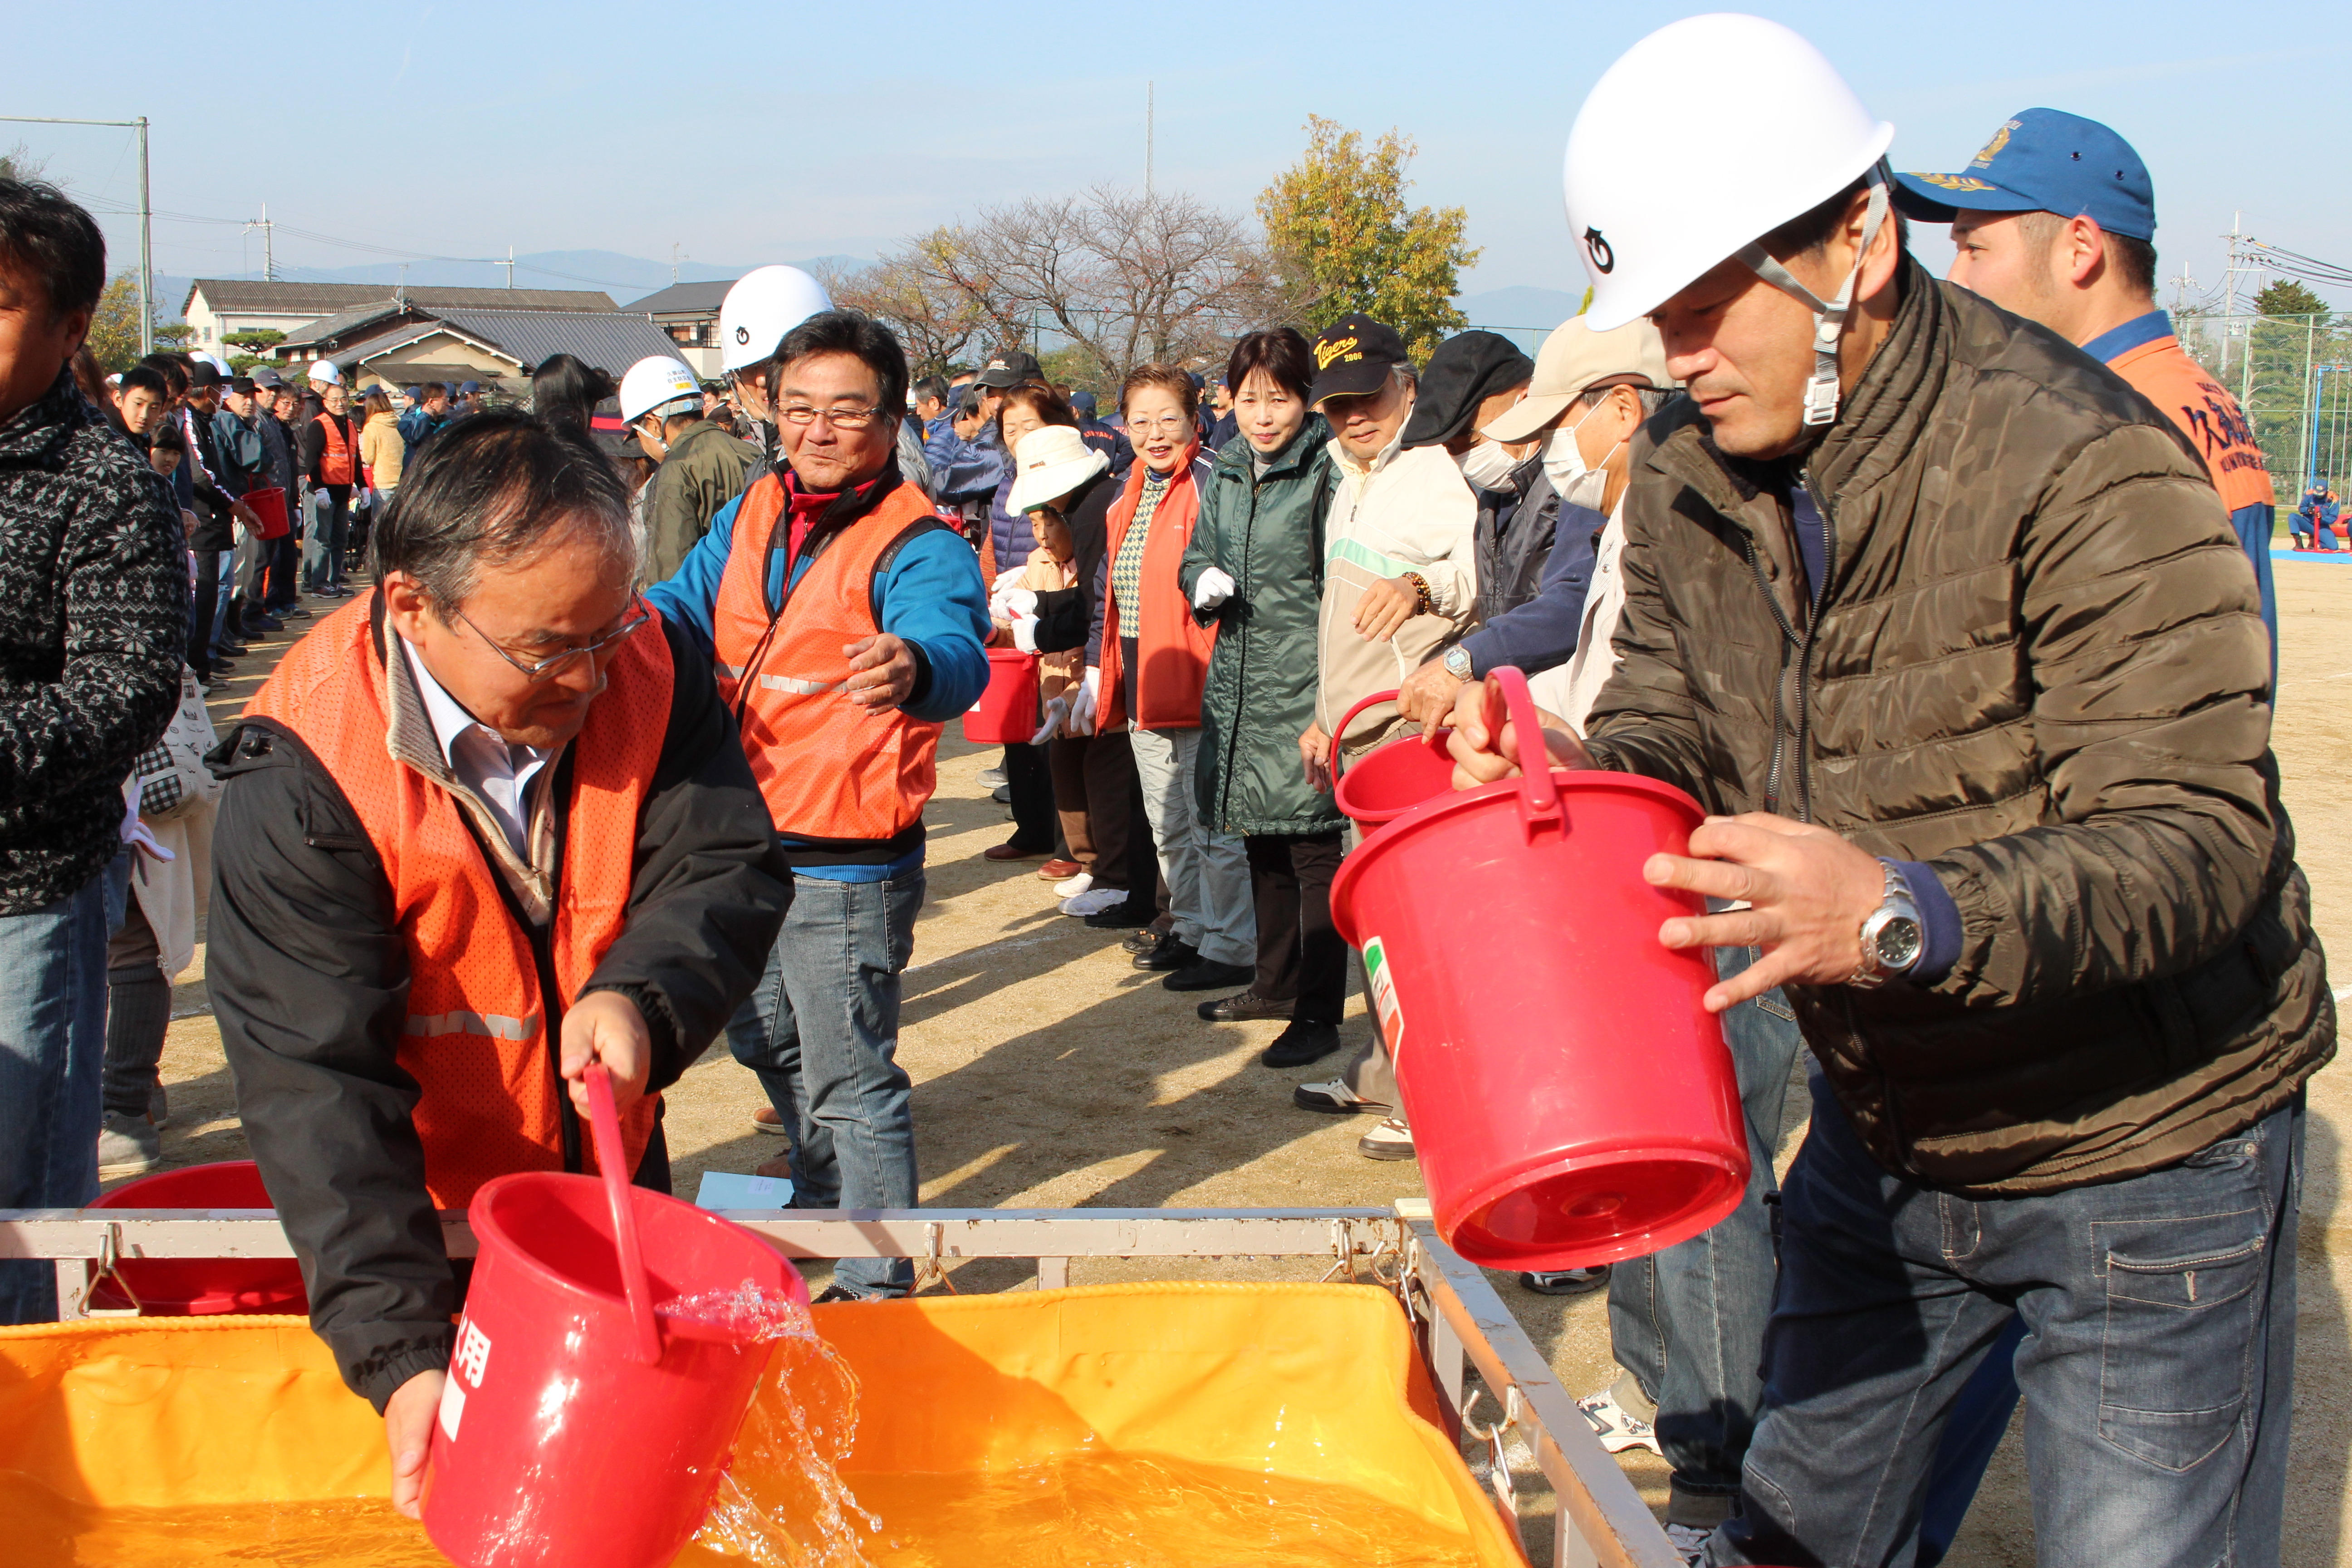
(2292, 376)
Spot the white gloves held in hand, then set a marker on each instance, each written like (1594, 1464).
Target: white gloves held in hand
(1211, 589)
(1082, 702)
(1056, 711)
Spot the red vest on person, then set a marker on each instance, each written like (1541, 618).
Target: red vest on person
(339, 463)
(2161, 371)
(1172, 648)
(828, 768)
(481, 1040)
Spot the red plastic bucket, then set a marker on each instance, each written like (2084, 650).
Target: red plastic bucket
(1006, 713)
(199, 1286)
(1394, 776)
(269, 506)
(1572, 1101)
(579, 1425)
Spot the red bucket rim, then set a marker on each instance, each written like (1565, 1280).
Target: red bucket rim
(1499, 1185)
(479, 1214)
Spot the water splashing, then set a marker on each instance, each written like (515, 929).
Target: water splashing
(781, 1503)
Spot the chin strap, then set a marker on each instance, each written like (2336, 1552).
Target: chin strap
(1828, 315)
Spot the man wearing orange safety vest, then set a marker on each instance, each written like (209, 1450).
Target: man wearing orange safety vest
(483, 826)
(2055, 220)
(847, 622)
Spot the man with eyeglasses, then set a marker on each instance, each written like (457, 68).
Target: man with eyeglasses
(482, 828)
(848, 623)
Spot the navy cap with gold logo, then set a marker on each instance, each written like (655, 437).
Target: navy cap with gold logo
(1353, 356)
(2042, 161)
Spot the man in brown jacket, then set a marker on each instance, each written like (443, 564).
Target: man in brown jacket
(1951, 632)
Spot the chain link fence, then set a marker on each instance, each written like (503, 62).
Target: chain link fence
(2292, 376)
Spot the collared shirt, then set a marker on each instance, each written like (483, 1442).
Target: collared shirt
(483, 760)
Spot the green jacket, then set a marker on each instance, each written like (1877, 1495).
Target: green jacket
(1267, 535)
(703, 472)
(2039, 666)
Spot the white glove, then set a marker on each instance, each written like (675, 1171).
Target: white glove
(1211, 589)
(1082, 706)
(1006, 578)
(1010, 603)
(1025, 633)
(1056, 711)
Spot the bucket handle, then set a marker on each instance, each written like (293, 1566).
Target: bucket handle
(1374, 700)
(1508, 699)
(613, 1164)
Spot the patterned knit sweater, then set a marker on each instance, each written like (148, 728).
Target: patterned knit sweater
(93, 617)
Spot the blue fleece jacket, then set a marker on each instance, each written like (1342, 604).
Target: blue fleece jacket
(932, 597)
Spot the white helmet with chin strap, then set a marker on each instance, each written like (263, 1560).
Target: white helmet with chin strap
(764, 304)
(1764, 131)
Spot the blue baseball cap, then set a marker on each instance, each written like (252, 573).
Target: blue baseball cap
(2042, 161)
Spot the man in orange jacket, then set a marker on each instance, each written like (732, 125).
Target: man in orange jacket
(483, 826)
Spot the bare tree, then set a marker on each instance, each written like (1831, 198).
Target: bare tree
(1121, 277)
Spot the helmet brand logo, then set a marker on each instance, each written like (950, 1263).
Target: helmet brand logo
(742, 334)
(1604, 259)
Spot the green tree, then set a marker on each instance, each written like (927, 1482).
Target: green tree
(1343, 239)
(114, 330)
(2285, 296)
(254, 337)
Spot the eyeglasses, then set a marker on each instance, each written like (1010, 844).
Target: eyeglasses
(1170, 424)
(555, 664)
(841, 419)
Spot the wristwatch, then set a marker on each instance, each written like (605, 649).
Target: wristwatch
(1457, 662)
(1891, 937)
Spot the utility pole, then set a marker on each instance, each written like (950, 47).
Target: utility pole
(673, 254)
(1150, 130)
(400, 290)
(146, 216)
(268, 249)
(508, 265)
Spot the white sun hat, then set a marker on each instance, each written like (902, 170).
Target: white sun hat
(1050, 462)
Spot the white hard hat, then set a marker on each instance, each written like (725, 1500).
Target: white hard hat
(765, 303)
(1766, 131)
(324, 373)
(654, 380)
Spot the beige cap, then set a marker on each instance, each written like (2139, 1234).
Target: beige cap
(1048, 463)
(1574, 358)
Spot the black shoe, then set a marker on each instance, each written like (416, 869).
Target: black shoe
(231, 649)
(221, 667)
(1243, 1005)
(1143, 940)
(264, 625)
(1002, 795)
(1208, 975)
(831, 1293)
(1123, 917)
(1304, 1041)
(1167, 955)
(295, 613)
(1565, 1282)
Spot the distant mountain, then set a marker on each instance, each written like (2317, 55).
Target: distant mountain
(1538, 308)
(625, 278)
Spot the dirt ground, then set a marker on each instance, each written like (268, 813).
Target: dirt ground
(1049, 1073)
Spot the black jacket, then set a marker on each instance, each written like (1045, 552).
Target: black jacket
(93, 618)
(310, 983)
(1066, 615)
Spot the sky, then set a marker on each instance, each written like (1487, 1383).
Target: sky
(742, 135)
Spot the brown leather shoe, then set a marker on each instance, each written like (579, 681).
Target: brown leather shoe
(1056, 870)
(1012, 851)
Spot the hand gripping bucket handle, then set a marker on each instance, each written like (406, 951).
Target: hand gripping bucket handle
(613, 1164)
(1508, 699)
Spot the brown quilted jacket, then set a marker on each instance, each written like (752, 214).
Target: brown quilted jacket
(2038, 666)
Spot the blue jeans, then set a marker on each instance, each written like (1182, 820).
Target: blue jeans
(52, 1050)
(1688, 1323)
(322, 539)
(822, 1033)
(2157, 1360)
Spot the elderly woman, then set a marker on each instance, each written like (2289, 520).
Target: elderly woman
(1256, 573)
(1146, 663)
(1029, 406)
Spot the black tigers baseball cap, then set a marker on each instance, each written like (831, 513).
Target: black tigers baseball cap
(1353, 356)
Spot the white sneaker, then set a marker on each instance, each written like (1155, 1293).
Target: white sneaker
(1391, 1140)
(1689, 1539)
(1093, 902)
(1071, 887)
(991, 778)
(1333, 1097)
(1617, 1427)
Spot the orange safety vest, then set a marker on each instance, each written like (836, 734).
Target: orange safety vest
(2161, 371)
(339, 463)
(1172, 648)
(481, 1040)
(828, 768)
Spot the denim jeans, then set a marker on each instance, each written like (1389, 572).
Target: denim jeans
(1207, 871)
(822, 1033)
(2157, 1363)
(52, 1049)
(1687, 1324)
(322, 539)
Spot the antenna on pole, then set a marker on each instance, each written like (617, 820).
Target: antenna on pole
(400, 290)
(1150, 130)
(268, 249)
(676, 250)
(2181, 284)
(508, 265)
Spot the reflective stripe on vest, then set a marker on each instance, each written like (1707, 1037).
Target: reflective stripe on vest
(339, 462)
(475, 1038)
(829, 768)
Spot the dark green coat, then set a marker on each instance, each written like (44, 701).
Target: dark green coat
(1267, 535)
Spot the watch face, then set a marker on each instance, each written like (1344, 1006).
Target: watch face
(1898, 943)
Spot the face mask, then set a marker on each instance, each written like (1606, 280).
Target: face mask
(1488, 465)
(1564, 464)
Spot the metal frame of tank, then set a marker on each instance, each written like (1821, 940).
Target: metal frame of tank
(1463, 1327)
